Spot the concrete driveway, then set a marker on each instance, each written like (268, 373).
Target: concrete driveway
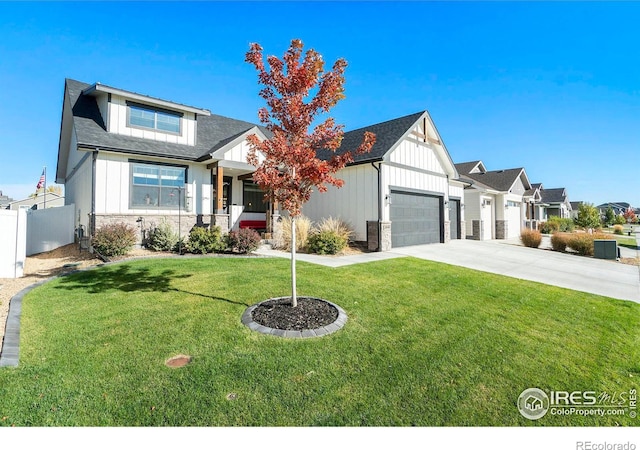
(602, 277)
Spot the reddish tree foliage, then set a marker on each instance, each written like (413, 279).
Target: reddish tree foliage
(291, 168)
(630, 215)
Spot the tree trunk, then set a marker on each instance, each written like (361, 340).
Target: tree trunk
(294, 297)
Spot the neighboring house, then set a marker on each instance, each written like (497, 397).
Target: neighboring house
(40, 201)
(618, 208)
(536, 208)
(4, 201)
(557, 201)
(404, 192)
(575, 207)
(126, 157)
(495, 201)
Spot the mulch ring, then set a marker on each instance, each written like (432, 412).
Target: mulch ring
(311, 313)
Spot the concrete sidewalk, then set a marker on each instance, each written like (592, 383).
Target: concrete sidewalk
(509, 258)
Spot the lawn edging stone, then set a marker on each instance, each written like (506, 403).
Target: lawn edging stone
(339, 323)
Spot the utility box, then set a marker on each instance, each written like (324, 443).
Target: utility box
(605, 249)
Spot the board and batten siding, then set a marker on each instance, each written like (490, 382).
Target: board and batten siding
(355, 202)
(117, 123)
(415, 154)
(414, 165)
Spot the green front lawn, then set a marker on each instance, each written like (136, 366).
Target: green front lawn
(426, 344)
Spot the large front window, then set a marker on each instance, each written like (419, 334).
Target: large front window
(157, 186)
(155, 119)
(253, 197)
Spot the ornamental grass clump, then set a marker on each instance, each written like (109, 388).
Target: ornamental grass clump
(582, 243)
(559, 241)
(617, 229)
(303, 229)
(531, 238)
(115, 239)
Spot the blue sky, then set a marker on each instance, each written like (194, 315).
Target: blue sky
(551, 87)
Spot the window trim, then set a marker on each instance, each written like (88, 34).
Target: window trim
(133, 162)
(155, 110)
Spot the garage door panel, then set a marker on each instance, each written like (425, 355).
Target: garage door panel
(415, 219)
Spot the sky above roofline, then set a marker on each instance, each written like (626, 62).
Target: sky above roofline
(549, 86)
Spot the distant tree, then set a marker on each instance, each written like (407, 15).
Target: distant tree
(609, 216)
(619, 220)
(629, 215)
(588, 216)
(291, 170)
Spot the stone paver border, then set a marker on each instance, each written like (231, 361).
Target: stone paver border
(10, 347)
(247, 320)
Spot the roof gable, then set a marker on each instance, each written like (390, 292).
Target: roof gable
(554, 195)
(502, 180)
(389, 134)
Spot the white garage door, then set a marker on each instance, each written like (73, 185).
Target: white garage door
(512, 214)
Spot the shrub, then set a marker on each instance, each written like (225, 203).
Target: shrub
(337, 226)
(620, 220)
(162, 238)
(582, 243)
(531, 238)
(561, 224)
(303, 227)
(548, 227)
(617, 229)
(114, 239)
(559, 242)
(326, 243)
(244, 240)
(205, 240)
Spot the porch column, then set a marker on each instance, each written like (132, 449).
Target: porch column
(219, 187)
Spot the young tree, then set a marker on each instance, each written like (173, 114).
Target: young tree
(609, 216)
(588, 216)
(629, 215)
(290, 169)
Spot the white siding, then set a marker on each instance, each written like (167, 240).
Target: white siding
(113, 181)
(471, 209)
(405, 178)
(77, 187)
(117, 123)
(355, 202)
(418, 155)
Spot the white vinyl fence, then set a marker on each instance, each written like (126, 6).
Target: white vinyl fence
(48, 229)
(13, 237)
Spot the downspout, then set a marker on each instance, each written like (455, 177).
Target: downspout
(379, 201)
(92, 214)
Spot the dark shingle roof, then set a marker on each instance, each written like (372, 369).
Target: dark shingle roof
(555, 195)
(213, 131)
(500, 180)
(466, 167)
(387, 135)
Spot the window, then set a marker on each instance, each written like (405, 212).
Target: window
(155, 119)
(253, 197)
(157, 186)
